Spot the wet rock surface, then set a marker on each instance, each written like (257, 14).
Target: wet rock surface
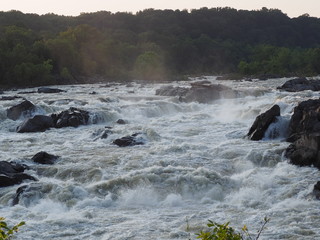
(300, 84)
(262, 122)
(202, 92)
(23, 109)
(129, 140)
(44, 158)
(49, 90)
(70, 118)
(12, 173)
(38, 123)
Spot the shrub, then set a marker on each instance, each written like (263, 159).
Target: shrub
(6, 232)
(224, 232)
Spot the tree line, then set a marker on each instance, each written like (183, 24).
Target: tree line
(155, 45)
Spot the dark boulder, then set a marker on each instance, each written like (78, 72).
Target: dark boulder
(316, 190)
(304, 151)
(262, 122)
(19, 192)
(44, 158)
(70, 118)
(12, 173)
(129, 141)
(171, 91)
(49, 90)
(25, 109)
(27, 194)
(38, 123)
(121, 121)
(300, 84)
(202, 92)
(305, 119)
(304, 133)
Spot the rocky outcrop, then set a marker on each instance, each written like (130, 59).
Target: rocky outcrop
(38, 123)
(44, 158)
(305, 120)
(262, 122)
(24, 109)
(70, 118)
(129, 141)
(12, 173)
(304, 133)
(300, 84)
(202, 92)
(49, 90)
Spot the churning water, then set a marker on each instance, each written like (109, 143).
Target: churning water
(195, 165)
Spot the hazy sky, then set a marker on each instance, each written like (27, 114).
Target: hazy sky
(293, 8)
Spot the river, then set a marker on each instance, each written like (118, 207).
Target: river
(196, 164)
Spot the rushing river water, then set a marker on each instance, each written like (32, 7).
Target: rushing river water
(195, 165)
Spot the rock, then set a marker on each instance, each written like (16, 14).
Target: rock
(304, 133)
(70, 118)
(300, 84)
(12, 173)
(27, 194)
(305, 119)
(10, 98)
(202, 92)
(129, 141)
(264, 77)
(262, 122)
(121, 121)
(27, 92)
(49, 90)
(316, 190)
(44, 158)
(304, 152)
(16, 197)
(38, 123)
(24, 109)
(171, 91)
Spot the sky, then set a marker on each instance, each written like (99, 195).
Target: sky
(293, 8)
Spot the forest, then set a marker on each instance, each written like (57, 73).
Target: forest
(155, 45)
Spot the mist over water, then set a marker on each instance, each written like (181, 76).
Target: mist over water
(195, 165)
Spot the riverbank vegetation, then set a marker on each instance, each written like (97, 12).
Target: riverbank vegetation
(155, 45)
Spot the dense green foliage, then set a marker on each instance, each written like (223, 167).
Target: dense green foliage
(155, 44)
(6, 232)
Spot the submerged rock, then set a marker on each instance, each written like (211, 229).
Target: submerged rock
(202, 92)
(300, 84)
(44, 158)
(49, 90)
(121, 122)
(38, 123)
(24, 109)
(12, 173)
(10, 98)
(27, 194)
(129, 141)
(262, 122)
(316, 190)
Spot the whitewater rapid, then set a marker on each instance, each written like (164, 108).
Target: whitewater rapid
(196, 164)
